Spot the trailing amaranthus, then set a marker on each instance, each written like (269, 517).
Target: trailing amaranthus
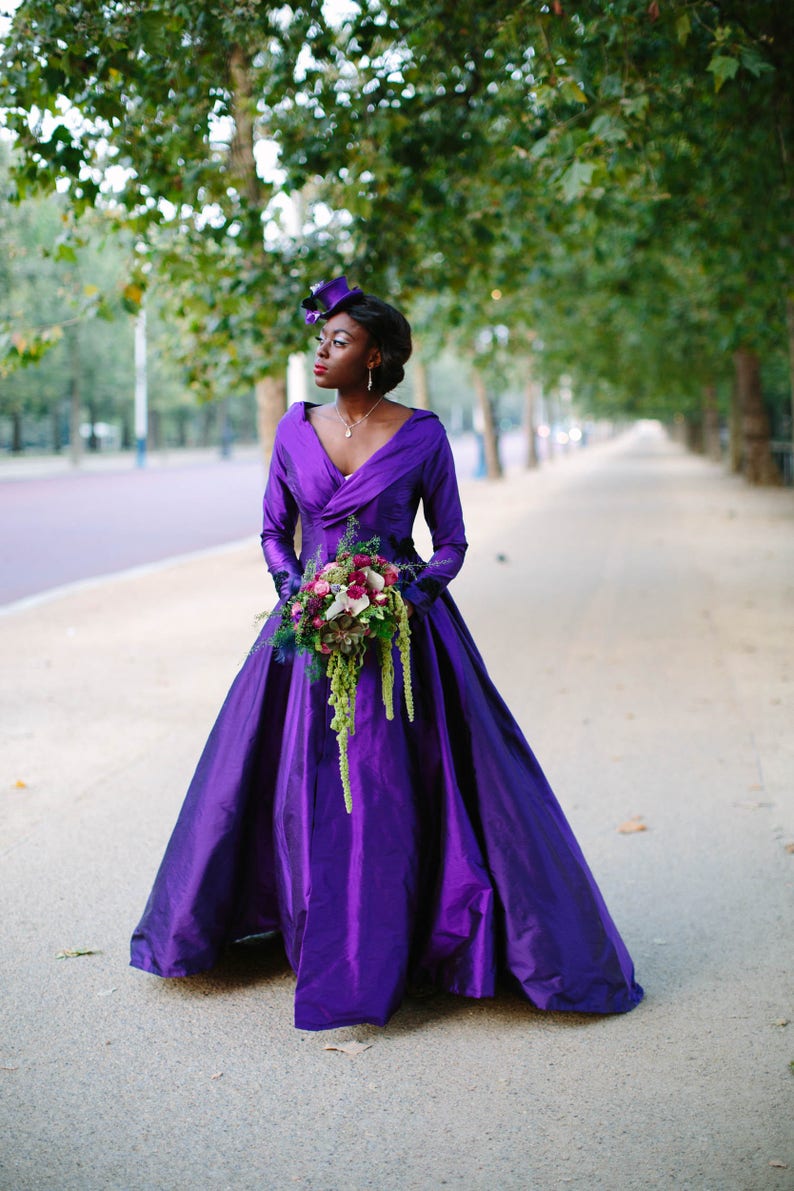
(341, 607)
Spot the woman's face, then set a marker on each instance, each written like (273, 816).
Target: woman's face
(345, 353)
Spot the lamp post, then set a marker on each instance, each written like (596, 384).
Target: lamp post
(141, 396)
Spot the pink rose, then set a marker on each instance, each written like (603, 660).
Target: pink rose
(297, 611)
(329, 566)
(318, 622)
(390, 574)
(321, 587)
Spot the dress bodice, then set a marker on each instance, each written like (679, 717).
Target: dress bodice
(382, 495)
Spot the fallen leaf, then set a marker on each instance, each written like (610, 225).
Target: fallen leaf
(9, 1068)
(105, 992)
(349, 1048)
(20, 785)
(789, 848)
(217, 1075)
(72, 952)
(781, 1021)
(748, 804)
(632, 825)
(779, 1165)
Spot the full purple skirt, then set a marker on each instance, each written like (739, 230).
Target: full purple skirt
(456, 865)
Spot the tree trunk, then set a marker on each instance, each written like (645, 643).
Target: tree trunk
(735, 428)
(154, 436)
(17, 438)
(421, 387)
(75, 438)
(530, 427)
(271, 404)
(757, 464)
(711, 423)
(242, 162)
(271, 392)
(790, 321)
(93, 441)
(493, 466)
(57, 443)
(693, 433)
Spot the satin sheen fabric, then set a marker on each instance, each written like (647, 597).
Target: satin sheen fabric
(456, 866)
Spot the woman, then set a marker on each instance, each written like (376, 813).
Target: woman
(456, 865)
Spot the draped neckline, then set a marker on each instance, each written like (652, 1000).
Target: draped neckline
(307, 405)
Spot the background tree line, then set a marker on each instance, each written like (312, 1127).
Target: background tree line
(597, 195)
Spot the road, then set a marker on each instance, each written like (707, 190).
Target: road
(59, 527)
(635, 606)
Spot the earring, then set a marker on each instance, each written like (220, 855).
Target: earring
(369, 380)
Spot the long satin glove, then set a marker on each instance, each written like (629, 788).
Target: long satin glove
(279, 519)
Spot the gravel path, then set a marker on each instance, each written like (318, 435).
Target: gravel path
(650, 660)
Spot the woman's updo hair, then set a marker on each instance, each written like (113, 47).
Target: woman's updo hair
(392, 333)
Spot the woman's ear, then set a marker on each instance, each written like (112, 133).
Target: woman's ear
(374, 360)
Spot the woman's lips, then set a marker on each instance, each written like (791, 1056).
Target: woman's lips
(319, 369)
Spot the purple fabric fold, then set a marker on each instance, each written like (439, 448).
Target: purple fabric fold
(456, 865)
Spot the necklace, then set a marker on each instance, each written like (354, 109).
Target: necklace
(350, 426)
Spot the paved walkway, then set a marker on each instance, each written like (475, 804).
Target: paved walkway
(650, 658)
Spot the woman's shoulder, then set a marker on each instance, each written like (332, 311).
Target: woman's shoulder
(293, 421)
(427, 424)
(297, 412)
(426, 419)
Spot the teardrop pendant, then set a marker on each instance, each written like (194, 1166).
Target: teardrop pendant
(348, 433)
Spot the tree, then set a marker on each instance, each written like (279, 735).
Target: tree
(439, 148)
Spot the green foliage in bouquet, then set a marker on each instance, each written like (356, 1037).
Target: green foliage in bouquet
(342, 608)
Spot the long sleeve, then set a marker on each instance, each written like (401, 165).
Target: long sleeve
(280, 517)
(444, 517)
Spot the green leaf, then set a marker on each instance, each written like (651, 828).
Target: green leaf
(570, 89)
(576, 179)
(607, 128)
(683, 27)
(752, 61)
(722, 68)
(65, 252)
(541, 146)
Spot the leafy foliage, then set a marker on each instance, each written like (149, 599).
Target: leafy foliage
(618, 173)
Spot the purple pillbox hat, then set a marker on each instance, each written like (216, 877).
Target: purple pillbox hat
(327, 297)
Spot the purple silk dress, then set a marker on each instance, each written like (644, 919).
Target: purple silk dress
(456, 866)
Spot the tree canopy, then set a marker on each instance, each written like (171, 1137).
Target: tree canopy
(619, 174)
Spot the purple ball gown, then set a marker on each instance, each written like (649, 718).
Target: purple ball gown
(456, 865)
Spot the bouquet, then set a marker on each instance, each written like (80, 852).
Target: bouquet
(342, 609)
